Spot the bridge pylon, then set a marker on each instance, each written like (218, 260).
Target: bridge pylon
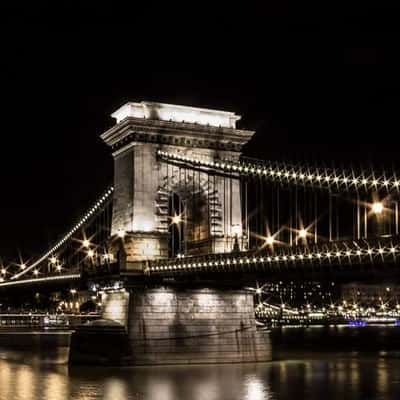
(151, 195)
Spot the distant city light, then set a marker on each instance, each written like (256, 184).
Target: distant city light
(86, 243)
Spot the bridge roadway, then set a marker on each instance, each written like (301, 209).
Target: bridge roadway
(330, 260)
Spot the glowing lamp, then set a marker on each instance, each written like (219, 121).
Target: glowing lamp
(302, 233)
(377, 207)
(90, 253)
(270, 240)
(176, 219)
(86, 243)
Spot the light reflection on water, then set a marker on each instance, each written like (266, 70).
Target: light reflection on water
(311, 375)
(320, 377)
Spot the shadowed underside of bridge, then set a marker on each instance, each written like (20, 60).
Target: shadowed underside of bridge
(189, 221)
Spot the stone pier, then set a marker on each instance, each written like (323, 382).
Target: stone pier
(193, 326)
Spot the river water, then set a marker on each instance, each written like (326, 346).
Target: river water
(308, 363)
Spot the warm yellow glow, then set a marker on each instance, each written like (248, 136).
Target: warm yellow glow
(90, 253)
(23, 266)
(121, 233)
(58, 267)
(237, 230)
(73, 291)
(3, 271)
(270, 240)
(302, 233)
(86, 243)
(176, 219)
(377, 207)
(53, 259)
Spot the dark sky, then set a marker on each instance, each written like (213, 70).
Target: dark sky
(316, 83)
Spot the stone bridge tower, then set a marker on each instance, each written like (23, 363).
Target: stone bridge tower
(143, 184)
(169, 322)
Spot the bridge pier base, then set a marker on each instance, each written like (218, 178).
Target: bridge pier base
(177, 326)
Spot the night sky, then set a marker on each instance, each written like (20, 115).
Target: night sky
(316, 84)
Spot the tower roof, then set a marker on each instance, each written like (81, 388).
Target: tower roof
(176, 113)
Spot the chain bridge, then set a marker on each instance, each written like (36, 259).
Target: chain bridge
(189, 221)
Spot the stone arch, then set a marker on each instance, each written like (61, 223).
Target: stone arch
(203, 214)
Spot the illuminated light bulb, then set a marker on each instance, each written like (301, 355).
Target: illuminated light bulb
(86, 243)
(3, 271)
(348, 253)
(302, 233)
(176, 219)
(345, 180)
(58, 267)
(380, 251)
(336, 179)
(358, 252)
(319, 177)
(318, 255)
(338, 254)
(258, 290)
(396, 184)
(377, 207)
(23, 266)
(270, 240)
(36, 272)
(386, 182)
(1, 279)
(369, 251)
(73, 291)
(392, 249)
(90, 253)
(327, 178)
(364, 181)
(53, 260)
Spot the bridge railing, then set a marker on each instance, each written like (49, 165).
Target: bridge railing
(343, 253)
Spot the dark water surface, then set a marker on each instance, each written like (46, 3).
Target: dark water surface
(299, 371)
